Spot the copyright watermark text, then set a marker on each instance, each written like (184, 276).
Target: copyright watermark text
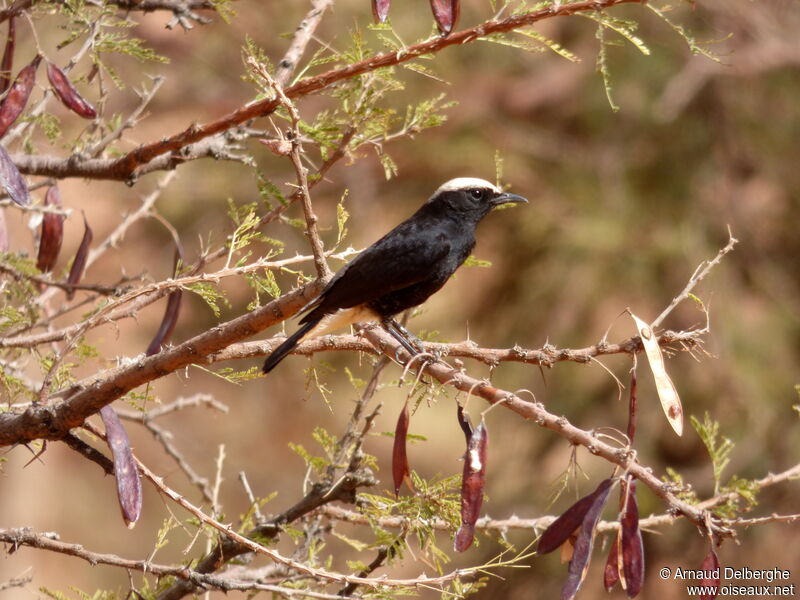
(729, 581)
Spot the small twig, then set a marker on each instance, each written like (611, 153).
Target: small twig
(103, 290)
(300, 40)
(128, 304)
(163, 437)
(251, 498)
(216, 509)
(377, 562)
(200, 399)
(89, 452)
(146, 97)
(116, 236)
(696, 278)
(16, 582)
(323, 271)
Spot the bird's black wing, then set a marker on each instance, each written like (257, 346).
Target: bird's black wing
(409, 254)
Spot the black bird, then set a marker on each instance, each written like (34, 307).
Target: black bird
(403, 268)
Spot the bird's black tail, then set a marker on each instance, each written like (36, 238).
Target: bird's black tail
(286, 347)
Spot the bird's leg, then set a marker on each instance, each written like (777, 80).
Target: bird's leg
(412, 339)
(402, 335)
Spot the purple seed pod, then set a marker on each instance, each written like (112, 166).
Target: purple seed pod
(559, 530)
(17, 97)
(446, 14)
(631, 542)
(52, 233)
(400, 468)
(710, 567)
(8, 56)
(582, 552)
(380, 10)
(171, 313)
(463, 422)
(472, 483)
(79, 264)
(129, 486)
(12, 181)
(67, 93)
(611, 570)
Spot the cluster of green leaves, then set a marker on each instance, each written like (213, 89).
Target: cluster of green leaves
(735, 492)
(17, 315)
(82, 20)
(81, 595)
(16, 309)
(738, 489)
(363, 108)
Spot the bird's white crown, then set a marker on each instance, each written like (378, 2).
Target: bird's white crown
(466, 183)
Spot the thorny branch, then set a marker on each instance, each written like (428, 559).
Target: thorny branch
(183, 8)
(200, 577)
(137, 162)
(499, 526)
(302, 175)
(536, 412)
(129, 303)
(222, 343)
(546, 356)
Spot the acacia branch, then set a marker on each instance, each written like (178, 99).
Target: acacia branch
(300, 40)
(26, 537)
(318, 574)
(500, 526)
(545, 356)
(341, 480)
(178, 7)
(536, 412)
(128, 304)
(301, 172)
(86, 397)
(137, 161)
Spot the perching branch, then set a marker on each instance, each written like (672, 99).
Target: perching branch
(545, 356)
(536, 412)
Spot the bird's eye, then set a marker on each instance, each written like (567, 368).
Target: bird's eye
(477, 193)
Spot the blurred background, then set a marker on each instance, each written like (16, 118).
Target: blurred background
(624, 206)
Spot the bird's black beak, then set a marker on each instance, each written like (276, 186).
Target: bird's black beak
(506, 198)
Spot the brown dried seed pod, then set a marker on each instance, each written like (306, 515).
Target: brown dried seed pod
(67, 93)
(632, 547)
(710, 567)
(579, 563)
(611, 570)
(472, 483)
(52, 233)
(171, 313)
(559, 530)
(464, 422)
(79, 264)
(8, 56)
(12, 181)
(18, 95)
(129, 486)
(400, 468)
